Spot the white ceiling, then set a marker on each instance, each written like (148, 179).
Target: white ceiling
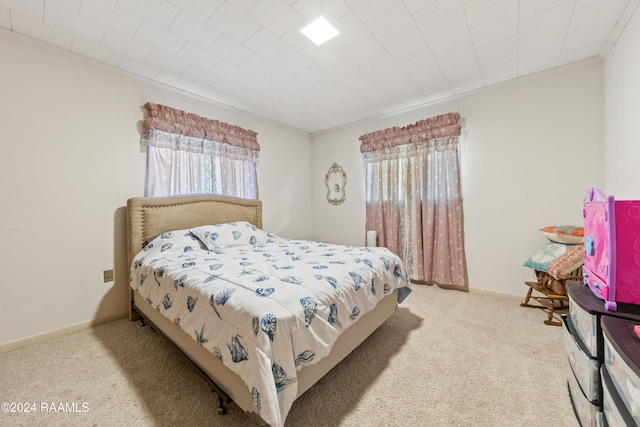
(390, 55)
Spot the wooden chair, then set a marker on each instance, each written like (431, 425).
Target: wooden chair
(553, 292)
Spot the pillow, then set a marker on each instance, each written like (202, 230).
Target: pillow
(569, 234)
(568, 262)
(176, 238)
(229, 234)
(541, 259)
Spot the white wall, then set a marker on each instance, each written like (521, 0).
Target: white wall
(71, 158)
(530, 150)
(622, 109)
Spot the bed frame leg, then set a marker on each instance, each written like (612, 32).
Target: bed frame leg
(222, 409)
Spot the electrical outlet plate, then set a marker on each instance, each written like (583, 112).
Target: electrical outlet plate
(108, 275)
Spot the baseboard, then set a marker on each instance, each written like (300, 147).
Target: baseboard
(23, 342)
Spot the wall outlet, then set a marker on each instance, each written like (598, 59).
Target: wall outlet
(108, 276)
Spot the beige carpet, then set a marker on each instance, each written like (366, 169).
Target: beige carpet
(445, 358)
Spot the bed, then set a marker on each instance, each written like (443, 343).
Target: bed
(267, 340)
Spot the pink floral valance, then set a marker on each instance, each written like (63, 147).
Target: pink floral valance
(180, 122)
(423, 130)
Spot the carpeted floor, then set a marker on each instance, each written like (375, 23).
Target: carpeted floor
(445, 358)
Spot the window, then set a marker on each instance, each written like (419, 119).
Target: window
(188, 154)
(413, 198)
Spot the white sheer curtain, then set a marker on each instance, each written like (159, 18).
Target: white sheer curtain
(182, 165)
(414, 202)
(183, 157)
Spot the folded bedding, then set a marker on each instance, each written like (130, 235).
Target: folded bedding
(265, 306)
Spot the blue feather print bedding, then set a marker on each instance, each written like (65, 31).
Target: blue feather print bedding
(263, 305)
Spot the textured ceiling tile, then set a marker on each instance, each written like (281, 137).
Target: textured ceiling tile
(127, 46)
(330, 9)
(403, 89)
(367, 9)
(300, 43)
(380, 66)
(360, 81)
(292, 82)
(393, 22)
(405, 44)
(380, 97)
(31, 8)
(160, 39)
(611, 5)
(538, 25)
(160, 12)
(314, 74)
(232, 22)
(327, 55)
(276, 16)
(414, 5)
(529, 8)
(227, 88)
(588, 36)
(141, 68)
(201, 9)
(198, 56)
(95, 51)
(194, 30)
(259, 65)
(598, 13)
(365, 50)
(495, 29)
(432, 83)
(535, 64)
(460, 56)
(570, 56)
(352, 30)
(497, 49)
(243, 5)
(164, 61)
(230, 50)
(382, 60)
(417, 60)
(293, 61)
(337, 88)
(345, 70)
(499, 69)
(230, 71)
(111, 16)
(449, 38)
(438, 15)
(480, 12)
(266, 44)
(63, 19)
(199, 75)
(546, 45)
(70, 5)
(173, 80)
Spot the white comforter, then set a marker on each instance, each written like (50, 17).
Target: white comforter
(263, 305)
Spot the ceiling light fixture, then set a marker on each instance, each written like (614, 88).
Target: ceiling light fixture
(319, 31)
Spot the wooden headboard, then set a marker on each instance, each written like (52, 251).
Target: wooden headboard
(148, 217)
